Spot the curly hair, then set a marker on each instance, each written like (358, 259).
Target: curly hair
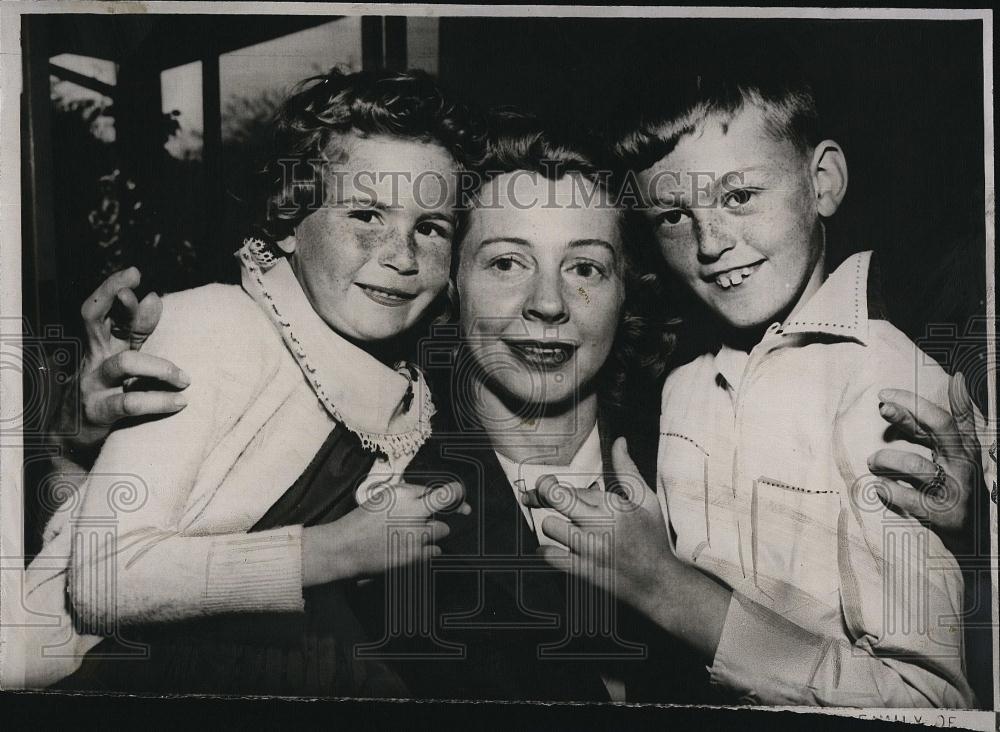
(408, 105)
(519, 141)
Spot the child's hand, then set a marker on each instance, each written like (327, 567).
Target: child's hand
(393, 528)
(617, 539)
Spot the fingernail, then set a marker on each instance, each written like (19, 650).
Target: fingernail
(180, 401)
(883, 396)
(882, 493)
(182, 378)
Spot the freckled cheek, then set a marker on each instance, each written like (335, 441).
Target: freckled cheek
(371, 240)
(435, 266)
(681, 257)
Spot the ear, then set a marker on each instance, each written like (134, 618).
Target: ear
(829, 175)
(288, 244)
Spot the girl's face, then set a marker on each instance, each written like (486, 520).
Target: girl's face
(378, 252)
(541, 287)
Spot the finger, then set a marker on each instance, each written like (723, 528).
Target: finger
(437, 530)
(95, 309)
(446, 497)
(590, 496)
(554, 555)
(123, 312)
(128, 364)
(430, 550)
(902, 465)
(565, 499)
(963, 411)
(118, 405)
(919, 418)
(903, 498)
(147, 316)
(630, 485)
(530, 499)
(557, 528)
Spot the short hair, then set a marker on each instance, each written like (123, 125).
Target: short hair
(784, 97)
(519, 141)
(408, 105)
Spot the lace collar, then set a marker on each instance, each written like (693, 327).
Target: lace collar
(388, 409)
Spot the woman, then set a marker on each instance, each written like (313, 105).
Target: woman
(240, 512)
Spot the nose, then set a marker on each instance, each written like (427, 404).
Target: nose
(545, 302)
(714, 240)
(399, 253)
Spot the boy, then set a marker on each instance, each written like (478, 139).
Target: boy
(836, 600)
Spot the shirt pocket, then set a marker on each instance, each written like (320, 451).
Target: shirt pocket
(793, 518)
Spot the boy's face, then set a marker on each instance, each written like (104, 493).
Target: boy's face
(735, 215)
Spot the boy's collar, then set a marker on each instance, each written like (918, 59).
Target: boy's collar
(840, 307)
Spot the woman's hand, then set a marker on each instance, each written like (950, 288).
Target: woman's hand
(618, 542)
(395, 527)
(113, 366)
(954, 506)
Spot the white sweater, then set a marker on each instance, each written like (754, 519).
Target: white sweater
(158, 532)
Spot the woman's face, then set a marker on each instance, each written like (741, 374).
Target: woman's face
(541, 288)
(378, 252)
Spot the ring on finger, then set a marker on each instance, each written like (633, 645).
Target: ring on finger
(935, 486)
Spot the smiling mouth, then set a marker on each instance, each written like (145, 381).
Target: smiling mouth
(546, 354)
(736, 276)
(386, 295)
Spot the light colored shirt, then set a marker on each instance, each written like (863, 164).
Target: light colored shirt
(585, 469)
(762, 474)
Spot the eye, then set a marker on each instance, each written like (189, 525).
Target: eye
(672, 217)
(364, 215)
(587, 270)
(505, 264)
(737, 198)
(431, 228)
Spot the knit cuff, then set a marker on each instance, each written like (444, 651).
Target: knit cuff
(258, 572)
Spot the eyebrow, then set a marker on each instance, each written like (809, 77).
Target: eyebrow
(363, 202)
(450, 218)
(593, 243)
(503, 240)
(687, 194)
(576, 243)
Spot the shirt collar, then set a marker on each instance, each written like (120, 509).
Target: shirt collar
(840, 306)
(586, 462)
(584, 469)
(730, 364)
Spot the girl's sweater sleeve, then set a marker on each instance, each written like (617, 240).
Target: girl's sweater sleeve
(131, 560)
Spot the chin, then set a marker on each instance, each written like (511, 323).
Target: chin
(540, 393)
